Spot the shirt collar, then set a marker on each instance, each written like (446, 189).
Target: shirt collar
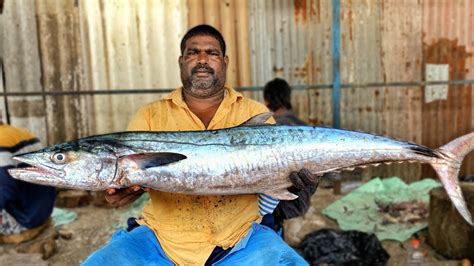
(231, 96)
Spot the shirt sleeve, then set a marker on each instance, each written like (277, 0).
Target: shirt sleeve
(141, 120)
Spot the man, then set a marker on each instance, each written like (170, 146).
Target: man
(25, 208)
(187, 229)
(277, 96)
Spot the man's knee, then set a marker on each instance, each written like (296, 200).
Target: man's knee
(137, 247)
(265, 247)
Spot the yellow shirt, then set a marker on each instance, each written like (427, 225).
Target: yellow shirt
(189, 227)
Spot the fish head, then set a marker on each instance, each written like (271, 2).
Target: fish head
(75, 165)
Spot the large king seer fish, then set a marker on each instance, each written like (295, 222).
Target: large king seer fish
(240, 160)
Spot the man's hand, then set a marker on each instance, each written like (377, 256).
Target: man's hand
(304, 179)
(124, 196)
(304, 186)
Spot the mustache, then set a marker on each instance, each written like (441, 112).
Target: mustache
(201, 68)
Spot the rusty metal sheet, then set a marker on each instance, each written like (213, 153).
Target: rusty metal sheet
(448, 41)
(292, 40)
(379, 45)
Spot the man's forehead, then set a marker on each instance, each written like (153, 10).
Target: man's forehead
(203, 42)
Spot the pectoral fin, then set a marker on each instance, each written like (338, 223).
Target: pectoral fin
(149, 160)
(281, 194)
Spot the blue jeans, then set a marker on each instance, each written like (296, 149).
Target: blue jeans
(261, 246)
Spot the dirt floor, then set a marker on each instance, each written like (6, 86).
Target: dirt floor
(94, 226)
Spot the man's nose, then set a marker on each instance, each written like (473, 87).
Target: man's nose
(203, 58)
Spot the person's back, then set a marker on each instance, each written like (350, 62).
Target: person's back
(24, 207)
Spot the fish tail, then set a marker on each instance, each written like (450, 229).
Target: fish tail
(448, 170)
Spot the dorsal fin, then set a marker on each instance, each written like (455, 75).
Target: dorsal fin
(259, 119)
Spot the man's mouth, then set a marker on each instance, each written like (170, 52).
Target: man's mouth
(202, 72)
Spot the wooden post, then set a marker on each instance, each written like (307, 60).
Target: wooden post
(448, 233)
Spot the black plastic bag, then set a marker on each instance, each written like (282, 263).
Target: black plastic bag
(331, 247)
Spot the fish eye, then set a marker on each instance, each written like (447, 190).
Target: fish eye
(59, 158)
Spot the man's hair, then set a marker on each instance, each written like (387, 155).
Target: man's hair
(203, 30)
(277, 93)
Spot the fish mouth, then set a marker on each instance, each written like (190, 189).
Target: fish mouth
(36, 173)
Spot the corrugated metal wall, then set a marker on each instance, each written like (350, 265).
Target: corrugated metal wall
(292, 40)
(448, 39)
(22, 65)
(72, 45)
(129, 45)
(81, 45)
(380, 43)
(230, 17)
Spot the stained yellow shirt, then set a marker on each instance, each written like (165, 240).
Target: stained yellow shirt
(189, 227)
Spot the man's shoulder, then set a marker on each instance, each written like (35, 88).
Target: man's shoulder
(159, 103)
(250, 102)
(253, 107)
(11, 136)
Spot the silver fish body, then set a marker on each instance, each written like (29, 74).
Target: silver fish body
(240, 160)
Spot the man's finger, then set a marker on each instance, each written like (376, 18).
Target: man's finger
(296, 180)
(308, 178)
(129, 198)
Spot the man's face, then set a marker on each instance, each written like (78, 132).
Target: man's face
(203, 66)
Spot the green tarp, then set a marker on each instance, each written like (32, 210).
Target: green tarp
(61, 216)
(358, 210)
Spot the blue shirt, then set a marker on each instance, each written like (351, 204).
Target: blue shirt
(30, 204)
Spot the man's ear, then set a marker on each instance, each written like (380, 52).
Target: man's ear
(226, 60)
(180, 60)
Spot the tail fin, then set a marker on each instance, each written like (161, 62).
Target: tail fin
(448, 170)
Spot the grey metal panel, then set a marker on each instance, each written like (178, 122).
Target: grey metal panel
(87, 45)
(20, 55)
(130, 44)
